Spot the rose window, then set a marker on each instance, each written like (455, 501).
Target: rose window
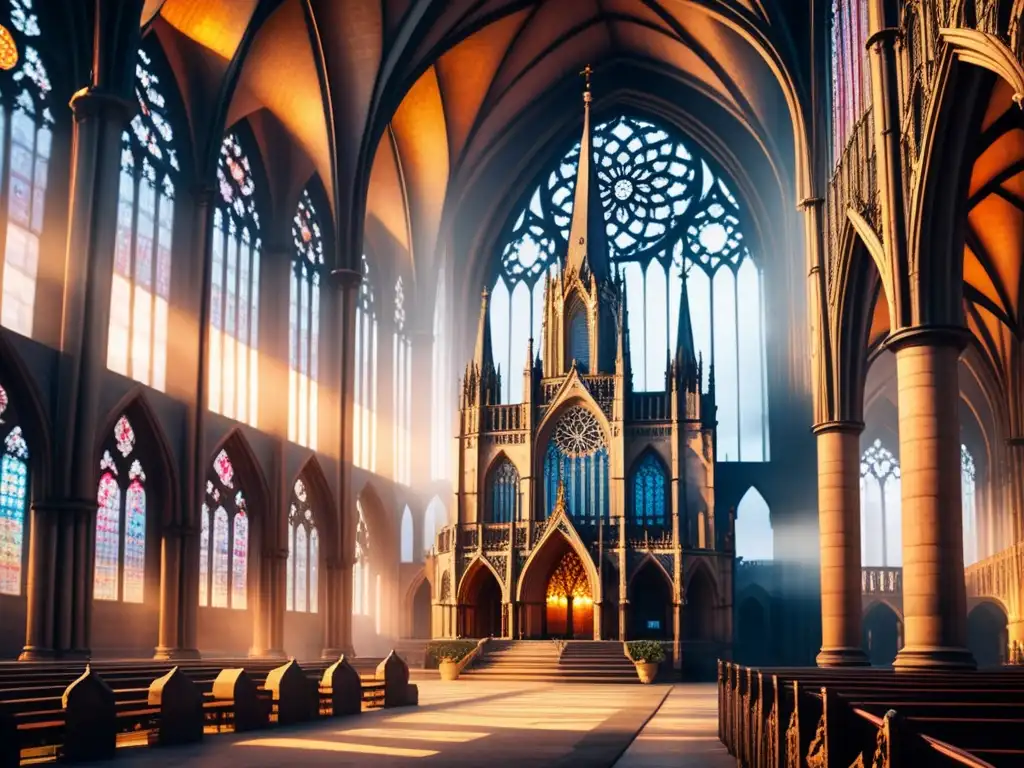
(577, 433)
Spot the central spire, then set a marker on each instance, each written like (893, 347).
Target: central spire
(588, 245)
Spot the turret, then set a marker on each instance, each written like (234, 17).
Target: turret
(483, 381)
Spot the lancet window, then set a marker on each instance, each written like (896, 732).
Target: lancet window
(668, 215)
(434, 519)
(304, 324)
(503, 492)
(303, 580)
(441, 391)
(26, 136)
(754, 537)
(577, 458)
(361, 566)
(120, 566)
(407, 536)
(968, 491)
(365, 389)
(880, 519)
(235, 288)
(649, 491)
(223, 539)
(13, 500)
(402, 389)
(141, 282)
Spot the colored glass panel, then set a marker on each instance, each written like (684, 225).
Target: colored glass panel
(204, 556)
(239, 560)
(108, 538)
(301, 574)
(13, 498)
(649, 483)
(221, 556)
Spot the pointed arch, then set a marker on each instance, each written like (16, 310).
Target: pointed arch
(315, 479)
(407, 536)
(24, 394)
(700, 567)
(702, 595)
(435, 518)
(467, 578)
(247, 466)
(502, 496)
(648, 489)
(754, 536)
(381, 527)
(649, 560)
(559, 530)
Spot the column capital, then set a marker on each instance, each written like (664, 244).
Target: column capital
(97, 102)
(847, 427)
(885, 36)
(65, 506)
(954, 336)
(346, 279)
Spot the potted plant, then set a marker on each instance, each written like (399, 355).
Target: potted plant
(646, 655)
(449, 657)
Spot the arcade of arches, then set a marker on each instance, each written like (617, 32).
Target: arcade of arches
(310, 342)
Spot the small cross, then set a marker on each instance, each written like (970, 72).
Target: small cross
(586, 72)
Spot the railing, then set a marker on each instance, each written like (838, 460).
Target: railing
(649, 406)
(881, 581)
(1002, 576)
(503, 418)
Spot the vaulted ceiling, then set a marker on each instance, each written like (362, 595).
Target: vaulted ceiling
(427, 119)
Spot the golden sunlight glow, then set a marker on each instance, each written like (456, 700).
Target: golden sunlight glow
(320, 745)
(234, 385)
(535, 721)
(454, 737)
(8, 49)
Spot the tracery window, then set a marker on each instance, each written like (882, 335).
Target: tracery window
(364, 417)
(649, 487)
(407, 535)
(754, 537)
(402, 390)
(120, 567)
(503, 492)
(968, 491)
(435, 518)
(13, 500)
(303, 580)
(304, 324)
(441, 392)
(235, 288)
(26, 135)
(668, 215)
(577, 456)
(361, 566)
(880, 520)
(223, 539)
(851, 92)
(141, 281)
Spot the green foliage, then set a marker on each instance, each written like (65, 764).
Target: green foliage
(645, 651)
(448, 650)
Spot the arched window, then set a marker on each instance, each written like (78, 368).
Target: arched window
(435, 517)
(304, 325)
(648, 491)
(303, 580)
(223, 539)
(881, 536)
(402, 401)
(968, 487)
(364, 418)
(25, 138)
(669, 216)
(13, 500)
(503, 492)
(754, 537)
(579, 339)
(577, 456)
(361, 566)
(120, 568)
(141, 283)
(851, 90)
(235, 288)
(441, 407)
(407, 537)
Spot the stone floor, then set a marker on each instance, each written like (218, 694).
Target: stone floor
(471, 723)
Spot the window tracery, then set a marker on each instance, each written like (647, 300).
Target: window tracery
(577, 457)
(361, 566)
(141, 281)
(120, 567)
(851, 91)
(13, 500)
(304, 324)
(968, 492)
(235, 288)
(223, 539)
(303, 578)
(364, 417)
(649, 481)
(504, 492)
(26, 135)
(881, 534)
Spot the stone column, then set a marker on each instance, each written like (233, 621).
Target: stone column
(934, 594)
(1014, 526)
(170, 588)
(839, 523)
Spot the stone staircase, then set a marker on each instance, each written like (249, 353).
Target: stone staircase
(537, 661)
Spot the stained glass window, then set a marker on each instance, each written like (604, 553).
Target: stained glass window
(224, 555)
(649, 485)
(364, 418)
(26, 136)
(441, 390)
(851, 90)
(754, 537)
(13, 500)
(881, 534)
(435, 517)
(303, 552)
(120, 567)
(407, 537)
(503, 492)
(402, 390)
(968, 491)
(235, 288)
(141, 283)
(361, 566)
(577, 456)
(669, 215)
(304, 324)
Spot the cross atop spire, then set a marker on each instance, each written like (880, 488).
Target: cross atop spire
(586, 72)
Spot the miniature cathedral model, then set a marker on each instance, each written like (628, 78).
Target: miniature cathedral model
(586, 511)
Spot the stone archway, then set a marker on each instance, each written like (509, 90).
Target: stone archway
(882, 632)
(480, 603)
(421, 610)
(553, 573)
(650, 604)
(986, 634)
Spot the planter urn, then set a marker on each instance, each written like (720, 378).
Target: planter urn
(647, 671)
(449, 670)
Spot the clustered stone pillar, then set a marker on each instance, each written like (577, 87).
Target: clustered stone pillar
(839, 524)
(934, 594)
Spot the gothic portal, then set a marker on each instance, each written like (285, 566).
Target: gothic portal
(587, 511)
